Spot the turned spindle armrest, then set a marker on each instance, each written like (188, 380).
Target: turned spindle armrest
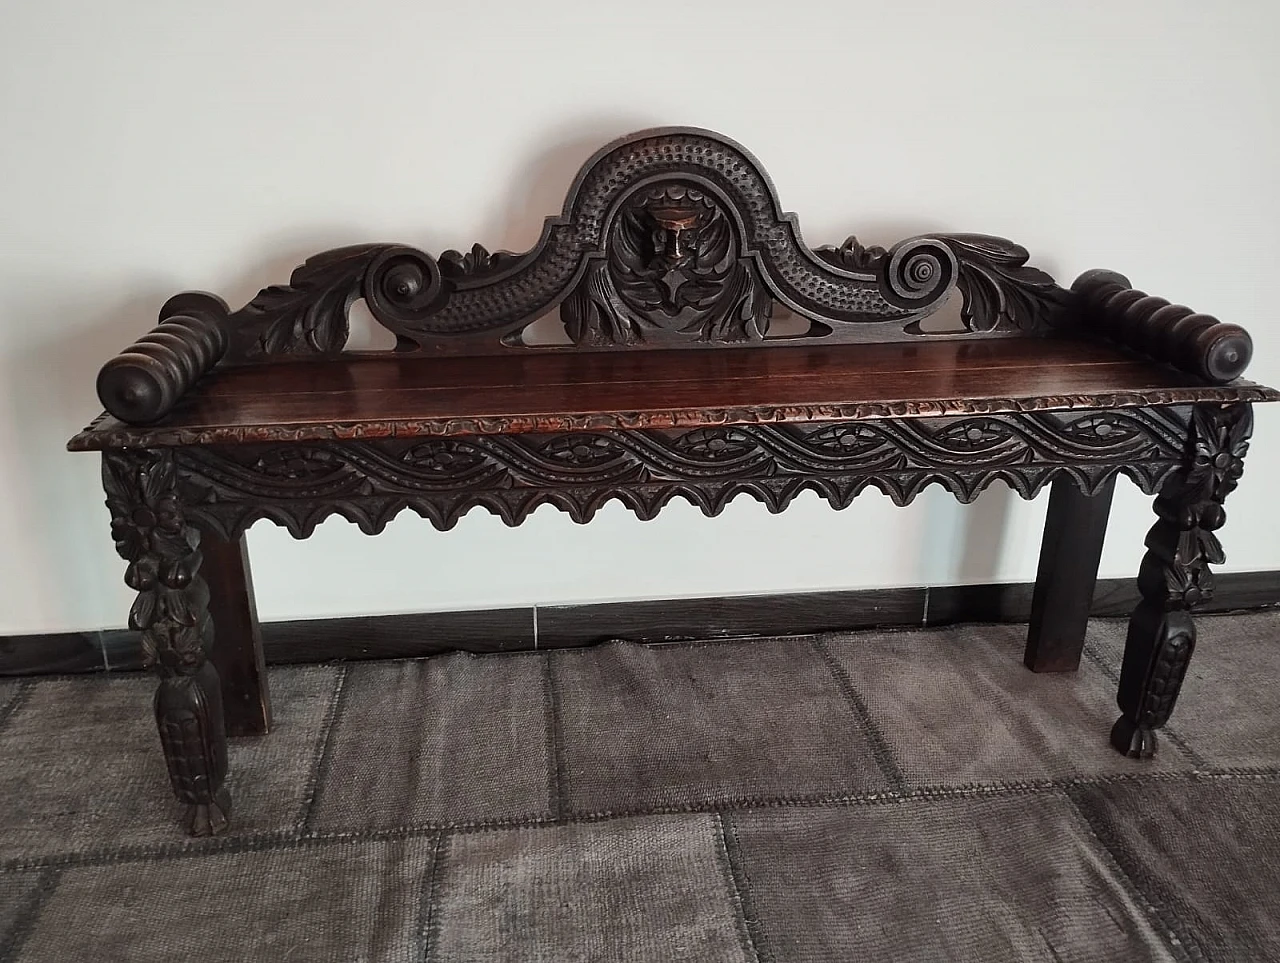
(144, 381)
(1107, 304)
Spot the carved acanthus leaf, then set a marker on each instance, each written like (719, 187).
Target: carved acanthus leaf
(477, 261)
(309, 314)
(1000, 290)
(852, 255)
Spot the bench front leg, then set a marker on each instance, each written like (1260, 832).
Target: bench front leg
(1175, 575)
(172, 613)
(1074, 530)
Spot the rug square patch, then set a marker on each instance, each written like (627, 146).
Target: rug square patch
(958, 706)
(10, 690)
(626, 891)
(1016, 878)
(680, 725)
(1204, 851)
(454, 738)
(21, 895)
(95, 775)
(331, 900)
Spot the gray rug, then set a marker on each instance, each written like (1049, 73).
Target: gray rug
(911, 795)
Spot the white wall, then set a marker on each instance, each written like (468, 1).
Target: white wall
(150, 147)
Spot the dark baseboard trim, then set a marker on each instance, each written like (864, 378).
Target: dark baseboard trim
(568, 626)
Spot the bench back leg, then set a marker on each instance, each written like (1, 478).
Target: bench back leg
(1069, 554)
(237, 640)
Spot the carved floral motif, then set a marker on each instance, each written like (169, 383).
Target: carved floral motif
(1184, 540)
(150, 533)
(476, 262)
(172, 614)
(852, 255)
(1175, 575)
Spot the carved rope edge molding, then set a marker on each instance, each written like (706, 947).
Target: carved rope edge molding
(371, 482)
(428, 302)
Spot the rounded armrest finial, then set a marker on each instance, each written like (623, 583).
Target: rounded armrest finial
(145, 381)
(1199, 344)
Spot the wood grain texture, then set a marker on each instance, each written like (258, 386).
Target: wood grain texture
(405, 398)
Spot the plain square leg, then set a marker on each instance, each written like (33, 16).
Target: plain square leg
(1069, 555)
(237, 640)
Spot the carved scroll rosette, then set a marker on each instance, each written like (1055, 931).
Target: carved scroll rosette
(1175, 574)
(171, 611)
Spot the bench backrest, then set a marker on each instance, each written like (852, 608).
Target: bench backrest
(669, 238)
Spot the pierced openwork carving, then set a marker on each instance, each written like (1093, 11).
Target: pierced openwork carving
(370, 482)
(670, 237)
(1175, 574)
(172, 612)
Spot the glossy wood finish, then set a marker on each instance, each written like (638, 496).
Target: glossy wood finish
(1199, 343)
(237, 654)
(526, 392)
(1074, 530)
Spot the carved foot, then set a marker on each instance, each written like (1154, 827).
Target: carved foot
(1132, 739)
(209, 819)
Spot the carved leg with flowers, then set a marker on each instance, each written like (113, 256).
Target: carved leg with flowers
(172, 613)
(1175, 574)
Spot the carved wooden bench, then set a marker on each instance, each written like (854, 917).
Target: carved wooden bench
(804, 368)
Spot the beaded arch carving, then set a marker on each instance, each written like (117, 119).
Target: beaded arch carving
(668, 238)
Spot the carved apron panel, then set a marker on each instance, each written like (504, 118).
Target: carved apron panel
(369, 482)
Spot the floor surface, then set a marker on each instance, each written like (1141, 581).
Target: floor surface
(905, 795)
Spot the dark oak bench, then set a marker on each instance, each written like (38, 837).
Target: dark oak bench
(706, 352)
